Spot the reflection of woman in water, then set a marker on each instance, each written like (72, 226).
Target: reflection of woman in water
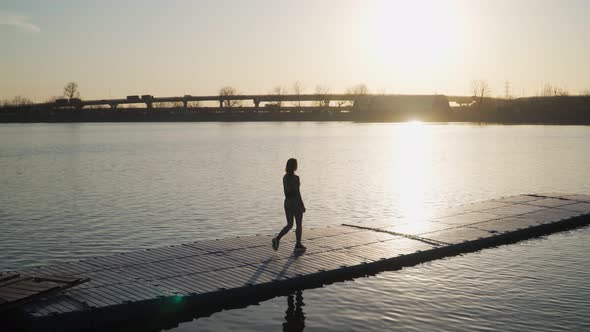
(294, 316)
(294, 207)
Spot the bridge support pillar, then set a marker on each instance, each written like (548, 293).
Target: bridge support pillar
(185, 104)
(148, 104)
(256, 103)
(114, 106)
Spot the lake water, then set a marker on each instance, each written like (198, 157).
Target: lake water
(71, 191)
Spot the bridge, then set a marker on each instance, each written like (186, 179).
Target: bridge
(150, 100)
(323, 100)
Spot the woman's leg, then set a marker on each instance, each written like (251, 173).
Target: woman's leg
(286, 229)
(299, 221)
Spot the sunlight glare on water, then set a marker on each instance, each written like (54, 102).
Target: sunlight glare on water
(411, 172)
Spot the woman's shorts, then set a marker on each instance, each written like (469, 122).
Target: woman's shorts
(293, 206)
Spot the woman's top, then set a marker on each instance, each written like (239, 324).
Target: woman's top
(293, 199)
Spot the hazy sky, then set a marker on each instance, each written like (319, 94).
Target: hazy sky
(165, 48)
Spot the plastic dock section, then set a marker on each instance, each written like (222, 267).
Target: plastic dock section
(228, 272)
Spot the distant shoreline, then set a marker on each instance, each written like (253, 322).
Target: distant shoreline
(558, 110)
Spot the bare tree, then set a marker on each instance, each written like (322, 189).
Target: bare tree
(480, 90)
(297, 90)
(563, 92)
(21, 101)
(168, 104)
(357, 91)
(322, 90)
(228, 91)
(278, 91)
(193, 104)
(552, 90)
(17, 101)
(71, 90)
(547, 90)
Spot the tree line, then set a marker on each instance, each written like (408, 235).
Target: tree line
(295, 89)
(72, 91)
(480, 90)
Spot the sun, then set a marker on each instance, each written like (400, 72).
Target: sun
(411, 34)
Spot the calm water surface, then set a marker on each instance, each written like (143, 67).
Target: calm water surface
(77, 190)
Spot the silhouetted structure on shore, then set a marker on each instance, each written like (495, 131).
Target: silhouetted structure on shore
(551, 110)
(326, 107)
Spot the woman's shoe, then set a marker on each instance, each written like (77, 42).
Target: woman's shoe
(300, 246)
(275, 244)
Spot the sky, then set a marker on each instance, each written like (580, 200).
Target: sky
(170, 48)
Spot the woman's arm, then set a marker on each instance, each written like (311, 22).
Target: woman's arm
(301, 201)
(299, 195)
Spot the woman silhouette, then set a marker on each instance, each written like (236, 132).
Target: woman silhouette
(294, 207)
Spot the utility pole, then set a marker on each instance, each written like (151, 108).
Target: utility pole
(507, 89)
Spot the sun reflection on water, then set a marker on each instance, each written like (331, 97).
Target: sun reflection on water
(412, 144)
